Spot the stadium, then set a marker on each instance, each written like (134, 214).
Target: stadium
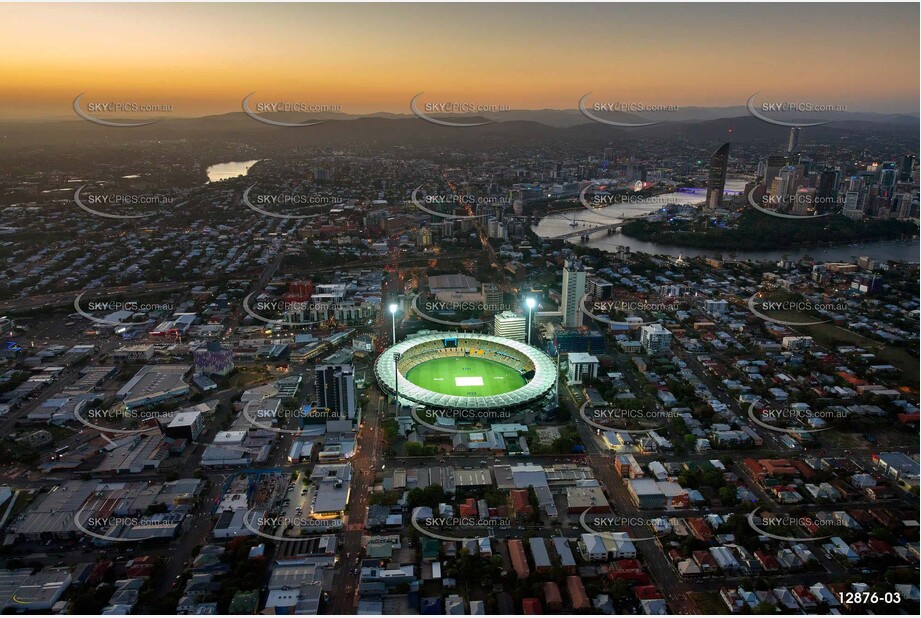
(464, 371)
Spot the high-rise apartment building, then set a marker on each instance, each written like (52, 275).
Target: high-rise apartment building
(335, 386)
(655, 338)
(573, 291)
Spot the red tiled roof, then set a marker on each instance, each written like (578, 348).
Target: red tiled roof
(577, 592)
(531, 606)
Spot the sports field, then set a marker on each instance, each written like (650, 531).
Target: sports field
(465, 377)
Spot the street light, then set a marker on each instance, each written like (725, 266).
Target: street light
(393, 314)
(530, 302)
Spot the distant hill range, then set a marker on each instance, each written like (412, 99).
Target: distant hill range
(696, 124)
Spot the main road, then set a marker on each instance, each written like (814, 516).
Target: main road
(367, 461)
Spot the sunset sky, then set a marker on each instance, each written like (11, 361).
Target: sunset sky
(203, 58)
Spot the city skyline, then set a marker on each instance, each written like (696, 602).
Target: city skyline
(460, 309)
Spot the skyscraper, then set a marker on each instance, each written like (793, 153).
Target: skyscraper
(887, 177)
(827, 186)
(775, 163)
(904, 206)
(335, 386)
(719, 163)
(573, 291)
(792, 141)
(852, 207)
(908, 162)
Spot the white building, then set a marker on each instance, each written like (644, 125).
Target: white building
(796, 343)
(852, 208)
(716, 306)
(592, 548)
(134, 353)
(511, 325)
(573, 291)
(655, 338)
(582, 365)
(188, 425)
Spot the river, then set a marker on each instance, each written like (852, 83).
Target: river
(556, 225)
(231, 169)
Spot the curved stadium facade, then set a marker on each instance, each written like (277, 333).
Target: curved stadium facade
(464, 371)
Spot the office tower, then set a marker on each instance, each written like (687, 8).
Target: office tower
(908, 162)
(799, 177)
(775, 163)
(511, 325)
(787, 185)
(776, 190)
(335, 386)
(887, 177)
(792, 141)
(806, 163)
(716, 183)
(804, 198)
(904, 205)
(492, 296)
(880, 207)
(655, 338)
(852, 207)
(827, 186)
(573, 291)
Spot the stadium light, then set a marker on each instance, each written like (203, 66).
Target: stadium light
(393, 316)
(396, 379)
(530, 302)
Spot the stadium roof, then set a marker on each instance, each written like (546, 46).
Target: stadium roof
(543, 380)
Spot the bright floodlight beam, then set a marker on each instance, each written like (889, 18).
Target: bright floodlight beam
(393, 315)
(530, 303)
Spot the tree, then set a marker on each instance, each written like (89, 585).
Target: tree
(413, 449)
(728, 495)
(431, 496)
(764, 608)
(619, 590)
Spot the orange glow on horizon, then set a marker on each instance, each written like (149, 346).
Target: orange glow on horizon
(204, 58)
